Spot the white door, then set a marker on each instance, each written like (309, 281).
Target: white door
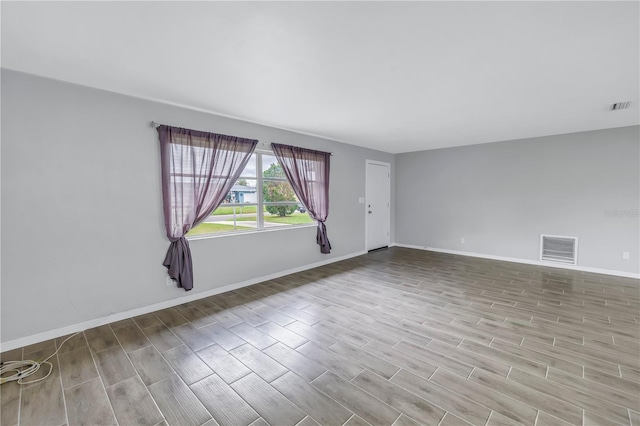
(377, 204)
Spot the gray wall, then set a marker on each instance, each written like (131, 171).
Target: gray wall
(501, 196)
(82, 225)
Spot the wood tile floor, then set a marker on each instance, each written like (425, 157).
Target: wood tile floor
(395, 337)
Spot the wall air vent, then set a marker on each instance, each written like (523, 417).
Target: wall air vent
(558, 249)
(619, 105)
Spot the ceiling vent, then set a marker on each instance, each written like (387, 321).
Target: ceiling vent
(557, 249)
(620, 105)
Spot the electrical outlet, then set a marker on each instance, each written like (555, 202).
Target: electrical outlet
(625, 255)
(462, 240)
(169, 281)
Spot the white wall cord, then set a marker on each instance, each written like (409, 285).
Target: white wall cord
(23, 369)
(26, 368)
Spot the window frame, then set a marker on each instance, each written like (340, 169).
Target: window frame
(259, 178)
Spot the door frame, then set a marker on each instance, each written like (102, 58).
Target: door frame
(366, 215)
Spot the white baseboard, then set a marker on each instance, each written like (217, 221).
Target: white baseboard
(526, 261)
(74, 328)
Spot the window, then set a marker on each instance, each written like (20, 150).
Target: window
(261, 198)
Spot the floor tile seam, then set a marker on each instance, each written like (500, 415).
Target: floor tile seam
(104, 388)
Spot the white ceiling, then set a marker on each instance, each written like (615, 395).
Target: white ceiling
(393, 76)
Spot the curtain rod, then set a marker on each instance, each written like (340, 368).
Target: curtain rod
(156, 125)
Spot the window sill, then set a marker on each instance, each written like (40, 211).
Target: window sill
(257, 231)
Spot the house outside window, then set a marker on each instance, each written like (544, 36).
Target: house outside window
(261, 199)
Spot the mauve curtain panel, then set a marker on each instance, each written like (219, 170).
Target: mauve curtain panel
(308, 172)
(198, 170)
